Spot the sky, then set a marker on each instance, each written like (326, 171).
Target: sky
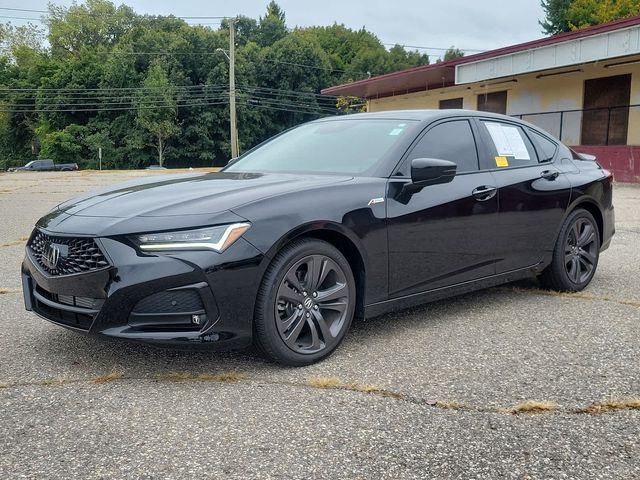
(467, 24)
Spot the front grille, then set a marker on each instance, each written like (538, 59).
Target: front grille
(176, 301)
(66, 255)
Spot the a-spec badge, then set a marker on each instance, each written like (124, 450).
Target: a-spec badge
(375, 201)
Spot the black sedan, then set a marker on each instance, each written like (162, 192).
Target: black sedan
(338, 218)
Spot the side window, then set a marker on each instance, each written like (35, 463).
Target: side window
(509, 145)
(451, 141)
(545, 147)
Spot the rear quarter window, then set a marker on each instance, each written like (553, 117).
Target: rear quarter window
(546, 148)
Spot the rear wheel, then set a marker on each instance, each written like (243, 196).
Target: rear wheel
(305, 304)
(576, 254)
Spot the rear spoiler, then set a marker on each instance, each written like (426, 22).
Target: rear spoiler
(588, 157)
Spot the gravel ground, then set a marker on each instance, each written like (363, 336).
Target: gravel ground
(475, 357)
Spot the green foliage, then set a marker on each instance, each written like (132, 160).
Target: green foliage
(585, 13)
(153, 89)
(566, 15)
(157, 109)
(555, 16)
(452, 53)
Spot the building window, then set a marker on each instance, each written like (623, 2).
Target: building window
(605, 120)
(452, 103)
(495, 102)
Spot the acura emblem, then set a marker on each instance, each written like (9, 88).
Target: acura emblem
(51, 256)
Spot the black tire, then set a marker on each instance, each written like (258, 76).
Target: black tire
(292, 326)
(575, 255)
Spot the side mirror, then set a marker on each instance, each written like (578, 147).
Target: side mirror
(432, 171)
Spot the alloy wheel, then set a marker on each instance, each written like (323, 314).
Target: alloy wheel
(581, 250)
(312, 303)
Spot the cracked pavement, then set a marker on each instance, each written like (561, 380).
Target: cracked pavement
(486, 350)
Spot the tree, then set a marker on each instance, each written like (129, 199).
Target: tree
(157, 109)
(453, 52)
(98, 22)
(272, 26)
(81, 83)
(555, 16)
(585, 13)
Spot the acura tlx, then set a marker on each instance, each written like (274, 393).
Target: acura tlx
(340, 218)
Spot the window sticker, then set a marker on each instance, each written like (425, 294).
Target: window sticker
(395, 132)
(508, 141)
(502, 161)
(499, 139)
(517, 143)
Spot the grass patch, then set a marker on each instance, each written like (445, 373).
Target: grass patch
(48, 382)
(612, 405)
(4, 291)
(575, 296)
(449, 405)
(13, 243)
(324, 382)
(333, 383)
(530, 406)
(109, 377)
(224, 377)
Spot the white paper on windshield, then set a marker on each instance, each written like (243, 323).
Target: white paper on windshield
(508, 141)
(516, 141)
(500, 140)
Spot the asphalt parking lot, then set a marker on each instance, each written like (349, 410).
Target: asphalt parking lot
(434, 392)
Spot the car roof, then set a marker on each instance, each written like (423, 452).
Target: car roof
(418, 115)
(428, 116)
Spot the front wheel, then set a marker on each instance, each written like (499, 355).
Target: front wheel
(305, 304)
(576, 254)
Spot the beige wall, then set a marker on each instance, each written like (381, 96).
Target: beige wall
(531, 95)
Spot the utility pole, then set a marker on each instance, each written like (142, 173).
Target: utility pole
(232, 90)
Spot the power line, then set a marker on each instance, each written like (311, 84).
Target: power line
(284, 109)
(278, 91)
(92, 14)
(21, 18)
(432, 48)
(197, 104)
(100, 89)
(149, 101)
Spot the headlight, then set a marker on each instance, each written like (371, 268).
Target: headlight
(210, 238)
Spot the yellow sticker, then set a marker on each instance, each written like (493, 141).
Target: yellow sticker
(502, 162)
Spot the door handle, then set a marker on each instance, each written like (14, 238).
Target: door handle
(484, 193)
(550, 174)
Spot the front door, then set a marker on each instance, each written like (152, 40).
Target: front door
(443, 234)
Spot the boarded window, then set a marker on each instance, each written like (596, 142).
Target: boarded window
(606, 117)
(495, 102)
(452, 103)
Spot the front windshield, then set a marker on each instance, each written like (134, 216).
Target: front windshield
(30, 163)
(338, 146)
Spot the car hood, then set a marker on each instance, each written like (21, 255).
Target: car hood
(195, 194)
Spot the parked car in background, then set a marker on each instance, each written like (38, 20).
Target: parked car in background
(155, 167)
(339, 218)
(46, 165)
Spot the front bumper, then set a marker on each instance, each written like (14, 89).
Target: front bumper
(193, 299)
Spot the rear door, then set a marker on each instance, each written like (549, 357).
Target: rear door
(442, 234)
(533, 193)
